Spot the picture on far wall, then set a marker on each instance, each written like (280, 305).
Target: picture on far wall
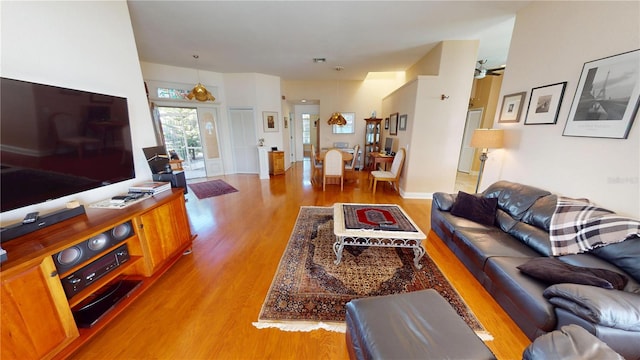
(402, 122)
(386, 124)
(393, 124)
(544, 104)
(511, 107)
(606, 100)
(270, 121)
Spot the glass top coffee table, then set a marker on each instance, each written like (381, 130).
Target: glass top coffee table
(382, 225)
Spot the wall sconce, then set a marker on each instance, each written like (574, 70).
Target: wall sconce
(444, 97)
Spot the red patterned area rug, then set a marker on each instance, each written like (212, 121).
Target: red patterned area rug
(309, 291)
(211, 188)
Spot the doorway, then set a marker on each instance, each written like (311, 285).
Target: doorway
(466, 178)
(182, 136)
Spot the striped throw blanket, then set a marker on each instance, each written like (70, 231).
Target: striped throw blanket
(578, 226)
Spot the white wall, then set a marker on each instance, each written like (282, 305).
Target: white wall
(550, 44)
(80, 45)
(435, 126)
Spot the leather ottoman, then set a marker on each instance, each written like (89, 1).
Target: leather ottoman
(415, 325)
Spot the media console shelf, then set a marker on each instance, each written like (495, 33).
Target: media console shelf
(37, 317)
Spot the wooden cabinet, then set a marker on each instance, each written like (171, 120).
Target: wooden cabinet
(276, 162)
(163, 231)
(371, 140)
(37, 318)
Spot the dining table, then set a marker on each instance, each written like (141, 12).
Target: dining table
(346, 157)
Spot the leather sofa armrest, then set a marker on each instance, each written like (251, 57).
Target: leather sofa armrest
(611, 308)
(443, 201)
(571, 342)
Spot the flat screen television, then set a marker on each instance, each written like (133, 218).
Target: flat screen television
(56, 142)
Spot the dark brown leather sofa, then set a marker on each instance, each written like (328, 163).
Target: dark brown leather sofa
(520, 232)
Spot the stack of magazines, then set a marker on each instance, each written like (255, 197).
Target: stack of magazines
(150, 187)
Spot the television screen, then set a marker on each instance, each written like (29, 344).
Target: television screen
(56, 142)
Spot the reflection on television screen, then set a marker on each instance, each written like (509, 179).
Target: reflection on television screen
(56, 142)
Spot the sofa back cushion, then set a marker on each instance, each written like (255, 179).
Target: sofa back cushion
(514, 198)
(540, 213)
(532, 236)
(625, 255)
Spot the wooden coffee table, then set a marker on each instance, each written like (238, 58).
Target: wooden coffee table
(382, 229)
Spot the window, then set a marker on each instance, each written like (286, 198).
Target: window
(349, 128)
(306, 129)
(167, 93)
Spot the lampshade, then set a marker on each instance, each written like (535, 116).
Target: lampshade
(487, 138)
(337, 119)
(200, 93)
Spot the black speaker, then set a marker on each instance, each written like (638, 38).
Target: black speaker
(74, 255)
(176, 178)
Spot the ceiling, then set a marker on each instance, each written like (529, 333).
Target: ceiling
(281, 38)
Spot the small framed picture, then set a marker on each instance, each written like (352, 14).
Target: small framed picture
(270, 121)
(511, 107)
(386, 123)
(544, 104)
(393, 124)
(402, 122)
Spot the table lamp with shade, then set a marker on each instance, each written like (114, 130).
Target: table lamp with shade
(486, 139)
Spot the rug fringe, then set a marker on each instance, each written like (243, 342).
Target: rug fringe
(303, 326)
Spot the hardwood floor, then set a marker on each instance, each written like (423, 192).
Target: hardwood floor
(203, 308)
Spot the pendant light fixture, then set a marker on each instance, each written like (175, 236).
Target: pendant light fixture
(337, 118)
(199, 92)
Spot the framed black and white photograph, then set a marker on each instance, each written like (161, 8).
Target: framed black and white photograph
(607, 97)
(270, 121)
(544, 104)
(386, 124)
(511, 107)
(393, 124)
(402, 122)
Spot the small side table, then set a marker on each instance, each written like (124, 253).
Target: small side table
(276, 162)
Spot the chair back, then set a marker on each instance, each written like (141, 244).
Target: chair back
(332, 164)
(314, 156)
(396, 165)
(65, 126)
(354, 161)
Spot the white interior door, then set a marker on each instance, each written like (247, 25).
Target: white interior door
(244, 141)
(466, 151)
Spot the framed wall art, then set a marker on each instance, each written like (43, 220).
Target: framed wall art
(511, 107)
(607, 97)
(402, 122)
(386, 123)
(393, 124)
(544, 104)
(270, 121)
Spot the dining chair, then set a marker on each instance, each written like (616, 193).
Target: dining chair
(68, 131)
(393, 175)
(315, 162)
(351, 167)
(332, 167)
